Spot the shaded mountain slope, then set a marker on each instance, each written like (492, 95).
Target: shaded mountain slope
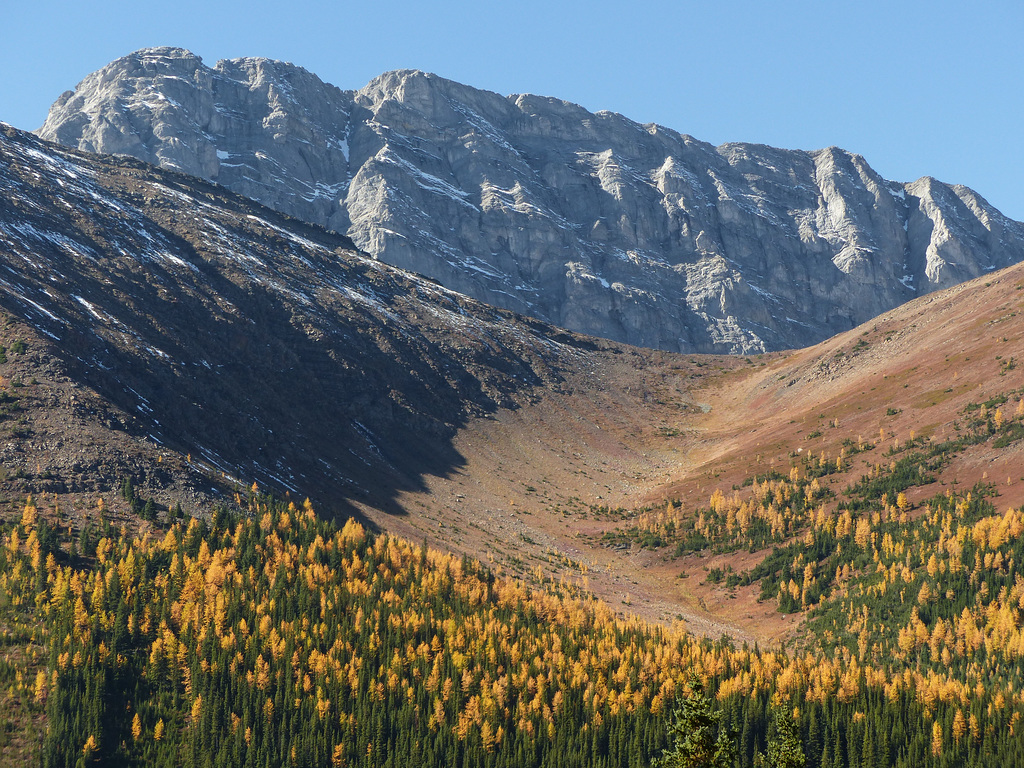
(596, 223)
(256, 346)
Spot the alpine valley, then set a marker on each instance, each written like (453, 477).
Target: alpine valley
(305, 458)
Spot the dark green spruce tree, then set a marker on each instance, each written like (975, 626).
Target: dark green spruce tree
(697, 736)
(784, 747)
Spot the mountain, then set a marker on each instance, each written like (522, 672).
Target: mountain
(855, 505)
(163, 329)
(593, 222)
(160, 328)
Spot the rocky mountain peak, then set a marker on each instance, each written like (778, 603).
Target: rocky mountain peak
(412, 87)
(588, 220)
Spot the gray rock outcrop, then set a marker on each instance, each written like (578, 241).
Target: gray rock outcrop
(591, 221)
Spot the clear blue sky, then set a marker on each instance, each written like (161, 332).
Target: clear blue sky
(918, 88)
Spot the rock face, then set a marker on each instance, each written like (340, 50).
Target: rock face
(591, 221)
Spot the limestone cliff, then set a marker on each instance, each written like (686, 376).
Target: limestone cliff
(591, 221)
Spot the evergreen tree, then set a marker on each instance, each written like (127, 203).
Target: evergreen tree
(698, 737)
(784, 747)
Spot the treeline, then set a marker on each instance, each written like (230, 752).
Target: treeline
(770, 508)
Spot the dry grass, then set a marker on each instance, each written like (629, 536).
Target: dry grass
(637, 434)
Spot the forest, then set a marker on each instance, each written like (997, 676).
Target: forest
(277, 638)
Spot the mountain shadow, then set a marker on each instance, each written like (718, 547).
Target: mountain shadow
(258, 347)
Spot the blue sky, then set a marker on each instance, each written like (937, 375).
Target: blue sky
(918, 88)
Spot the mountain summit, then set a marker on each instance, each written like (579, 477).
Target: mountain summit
(588, 220)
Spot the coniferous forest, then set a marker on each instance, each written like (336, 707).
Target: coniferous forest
(276, 638)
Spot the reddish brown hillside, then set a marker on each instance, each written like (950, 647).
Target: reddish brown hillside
(912, 370)
(526, 495)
